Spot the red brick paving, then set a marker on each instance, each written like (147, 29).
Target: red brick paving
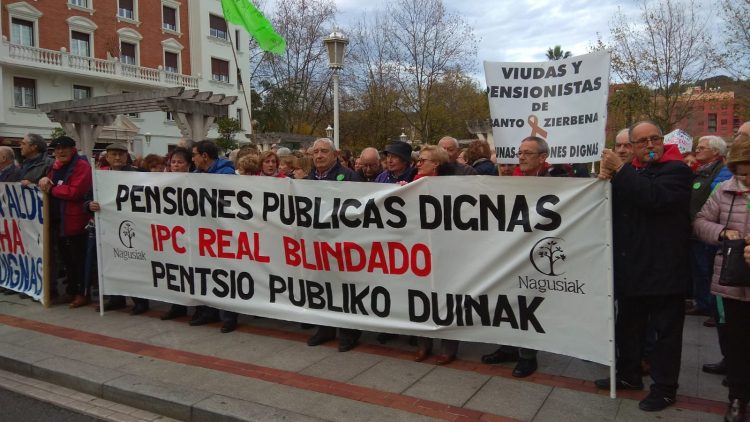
(340, 389)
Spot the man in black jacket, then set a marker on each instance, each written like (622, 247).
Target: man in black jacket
(326, 167)
(651, 233)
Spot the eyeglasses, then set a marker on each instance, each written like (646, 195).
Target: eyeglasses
(422, 160)
(524, 153)
(654, 139)
(699, 149)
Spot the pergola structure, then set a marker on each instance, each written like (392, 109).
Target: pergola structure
(194, 112)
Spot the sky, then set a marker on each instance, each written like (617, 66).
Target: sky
(523, 30)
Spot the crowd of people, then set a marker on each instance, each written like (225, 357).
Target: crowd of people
(670, 214)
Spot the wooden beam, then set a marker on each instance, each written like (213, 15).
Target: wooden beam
(113, 99)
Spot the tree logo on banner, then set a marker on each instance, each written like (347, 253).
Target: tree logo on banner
(547, 254)
(127, 233)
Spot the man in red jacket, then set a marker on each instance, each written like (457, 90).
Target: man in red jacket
(67, 183)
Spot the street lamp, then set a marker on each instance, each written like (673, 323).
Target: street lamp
(147, 135)
(336, 44)
(329, 132)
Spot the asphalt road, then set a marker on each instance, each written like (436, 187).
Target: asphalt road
(19, 408)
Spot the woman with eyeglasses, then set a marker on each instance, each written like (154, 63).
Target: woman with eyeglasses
(433, 161)
(725, 216)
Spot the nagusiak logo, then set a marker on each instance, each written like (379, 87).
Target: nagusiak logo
(127, 233)
(547, 255)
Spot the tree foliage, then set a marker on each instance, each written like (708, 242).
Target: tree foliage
(227, 128)
(737, 36)
(557, 53)
(667, 49)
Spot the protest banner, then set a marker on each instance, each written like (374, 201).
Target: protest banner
(563, 102)
(682, 139)
(523, 261)
(22, 239)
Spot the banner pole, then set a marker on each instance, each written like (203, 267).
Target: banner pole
(46, 252)
(98, 227)
(610, 291)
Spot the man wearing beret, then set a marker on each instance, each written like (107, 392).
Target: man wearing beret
(117, 157)
(67, 183)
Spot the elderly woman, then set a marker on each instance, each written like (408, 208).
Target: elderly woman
(478, 155)
(725, 216)
(269, 165)
(431, 162)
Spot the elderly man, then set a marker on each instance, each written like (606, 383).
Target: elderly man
(532, 161)
(369, 162)
(117, 156)
(9, 171)
(36, 163)
(450, 145)
(623, 147)
(398, 166)
(68, 182)
(651, 233)
(326, 167)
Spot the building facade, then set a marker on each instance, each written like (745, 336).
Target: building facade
(56, 50)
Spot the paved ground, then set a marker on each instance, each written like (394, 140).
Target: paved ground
(265, 371)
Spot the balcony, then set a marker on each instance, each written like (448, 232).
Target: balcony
(62, 61)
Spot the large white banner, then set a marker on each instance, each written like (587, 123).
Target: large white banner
(522, 260)
(563, 102)
(21, 239)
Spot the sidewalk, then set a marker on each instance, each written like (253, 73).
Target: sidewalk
(265, 371)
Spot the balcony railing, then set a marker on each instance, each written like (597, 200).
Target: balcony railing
(93, 66)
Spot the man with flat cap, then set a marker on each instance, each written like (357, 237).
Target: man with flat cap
(398, 166)
(67, 183)
(117, 156)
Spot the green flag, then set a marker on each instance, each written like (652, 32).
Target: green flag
(245, 14)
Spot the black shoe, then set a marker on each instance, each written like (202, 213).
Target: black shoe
(736, 411)
(384, 338)
(655, 401)
(113, 305)
(524, 368)
(619, 384)
(320, 337)
(346, 344)
(204, 319)
(173, 313)
(499, 356)
(138, 309)
(228, 327)
(719, 368)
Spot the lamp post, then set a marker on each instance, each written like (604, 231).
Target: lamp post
(329, 132)
(336, 44)
(147, 135)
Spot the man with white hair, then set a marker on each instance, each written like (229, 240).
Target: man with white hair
(450, 145)
(36, 163)
(623, 147)
(9, 171)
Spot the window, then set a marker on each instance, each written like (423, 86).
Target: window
(80, 3)
(170, 116)
(169, 18)
(127, 53)
(22, 32)
(80, 44)
(237, 39)
(218, 27)
(712, 122)
(239, 116)
(80, 92)
(171, 62)
(126, 9)
(24, 92)
(219, 70)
